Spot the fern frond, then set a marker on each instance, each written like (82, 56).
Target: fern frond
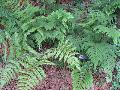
(110, 32)
(27, 70)
(103, 55)
(29, 78)
(30, 75)
(117, 76)
(81, 80)
(9, 72)
(46, 29)
(64, 52)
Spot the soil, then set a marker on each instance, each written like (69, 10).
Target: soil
(60, 79)
(56, 79)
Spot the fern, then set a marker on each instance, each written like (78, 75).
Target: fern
(82, 80)
(65, 53)
(9, 72)
(117, 77)
(111, 32)
(27, 70)
(31, 75)
(103, 55)
(93, 33)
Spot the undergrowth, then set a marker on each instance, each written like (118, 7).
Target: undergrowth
(39, 32)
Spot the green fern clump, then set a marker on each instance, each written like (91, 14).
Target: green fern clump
(27, 27)
(26, 70)
(40, 28)
(103, 55)
(30, 75)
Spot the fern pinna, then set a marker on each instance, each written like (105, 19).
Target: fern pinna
(88, 27)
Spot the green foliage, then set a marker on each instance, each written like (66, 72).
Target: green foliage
(117, 77)
(82, 80)
(9, 72)
(118, 69)
(64, 52)
(30, 75)
(93, 33)
(26, 70)
(103, 55)
(111, 32)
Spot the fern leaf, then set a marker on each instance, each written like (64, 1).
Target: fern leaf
(9, 72)
(81, 80)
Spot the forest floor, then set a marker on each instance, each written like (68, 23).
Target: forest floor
(60, 79)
